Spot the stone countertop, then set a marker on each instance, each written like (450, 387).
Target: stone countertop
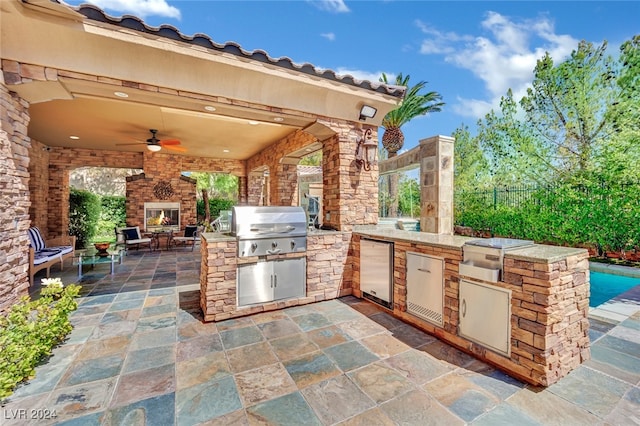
(320, 232)
(535, 253)
(541, 252)
(216, 237)
(389, 234)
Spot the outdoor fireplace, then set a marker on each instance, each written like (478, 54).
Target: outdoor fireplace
(161, 216)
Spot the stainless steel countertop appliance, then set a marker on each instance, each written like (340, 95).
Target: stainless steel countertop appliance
(483, 258)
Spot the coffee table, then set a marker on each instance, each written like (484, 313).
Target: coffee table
(90, 257)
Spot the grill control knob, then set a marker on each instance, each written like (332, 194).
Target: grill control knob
(274, 244)
(254, 246)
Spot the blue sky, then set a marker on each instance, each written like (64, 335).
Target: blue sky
(469, 52)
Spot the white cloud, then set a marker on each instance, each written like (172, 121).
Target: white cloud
(503, 57)
(365, 75)
(334, 6)
(140, 8)
(328, 36)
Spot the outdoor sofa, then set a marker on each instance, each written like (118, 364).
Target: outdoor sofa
(44, 254)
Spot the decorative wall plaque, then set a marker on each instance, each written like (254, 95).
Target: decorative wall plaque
(163, 190)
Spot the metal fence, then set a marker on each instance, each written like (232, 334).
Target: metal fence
(547, 195)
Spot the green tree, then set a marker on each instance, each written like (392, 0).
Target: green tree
(620, 158)
(414, 104)
(217, 185)
(512, 152)
(470, 164)
(409, 197)
(313, 159)
(565, 109)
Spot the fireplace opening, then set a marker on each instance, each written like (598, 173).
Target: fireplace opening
(161, 216)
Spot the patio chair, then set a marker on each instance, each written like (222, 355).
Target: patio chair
(191, 237)
(133, 238)
(223, 222)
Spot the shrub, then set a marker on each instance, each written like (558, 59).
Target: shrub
(215, 205)
(31, 330)
(84, 212)
(112, 215)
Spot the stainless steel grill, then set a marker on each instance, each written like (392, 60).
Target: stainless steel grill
(262, 231)
(483, 258)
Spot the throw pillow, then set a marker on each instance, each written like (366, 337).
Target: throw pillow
(130, 234)
(35, 238)
(189, 231)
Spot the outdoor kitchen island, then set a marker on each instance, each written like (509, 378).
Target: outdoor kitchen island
(326, 267)
(531, 322)
(539, 303)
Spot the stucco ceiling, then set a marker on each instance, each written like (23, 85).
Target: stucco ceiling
(101, 120)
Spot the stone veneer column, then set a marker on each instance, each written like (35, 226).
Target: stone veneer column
(14, 197)
(254, 189)
(38, 187)
(436, 185)
(243, 190)
(284, 185)
(350, 194)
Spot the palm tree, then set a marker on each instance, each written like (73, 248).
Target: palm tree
(413, 105)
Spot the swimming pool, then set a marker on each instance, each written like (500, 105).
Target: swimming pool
(605, 286)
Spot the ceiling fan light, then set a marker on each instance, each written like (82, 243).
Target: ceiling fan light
(154, 148)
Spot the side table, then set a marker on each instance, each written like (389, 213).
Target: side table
(157, 235)
(90, 257)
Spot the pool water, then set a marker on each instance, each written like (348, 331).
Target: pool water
(606, 286)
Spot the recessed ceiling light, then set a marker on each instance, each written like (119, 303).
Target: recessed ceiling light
(307, 149)
(225, 150)
(278, 119)
(253, 122)
(121, 94)
(210, 108)
(75, 138)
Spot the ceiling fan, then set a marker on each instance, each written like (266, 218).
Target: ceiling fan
(154, 144)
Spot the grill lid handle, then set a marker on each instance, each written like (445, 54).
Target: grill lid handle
(273, 230)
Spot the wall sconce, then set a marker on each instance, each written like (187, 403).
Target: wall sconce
(367, 112)
(366, 151)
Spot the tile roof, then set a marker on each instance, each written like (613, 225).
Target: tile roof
(168, 31)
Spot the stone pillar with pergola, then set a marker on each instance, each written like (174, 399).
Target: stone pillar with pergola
(434, 156)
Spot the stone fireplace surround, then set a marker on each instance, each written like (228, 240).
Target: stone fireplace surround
(140, 191)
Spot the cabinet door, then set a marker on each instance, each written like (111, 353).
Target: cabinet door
(485, 315)
(425, 287)
(289, 278)
(255, 283)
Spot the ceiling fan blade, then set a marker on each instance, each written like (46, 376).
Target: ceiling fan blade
(166, 142)
(175, 148)
(133, 143)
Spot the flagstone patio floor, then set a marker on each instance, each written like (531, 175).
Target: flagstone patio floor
(141, 354)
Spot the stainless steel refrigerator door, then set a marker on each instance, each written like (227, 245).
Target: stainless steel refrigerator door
(376, 268)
